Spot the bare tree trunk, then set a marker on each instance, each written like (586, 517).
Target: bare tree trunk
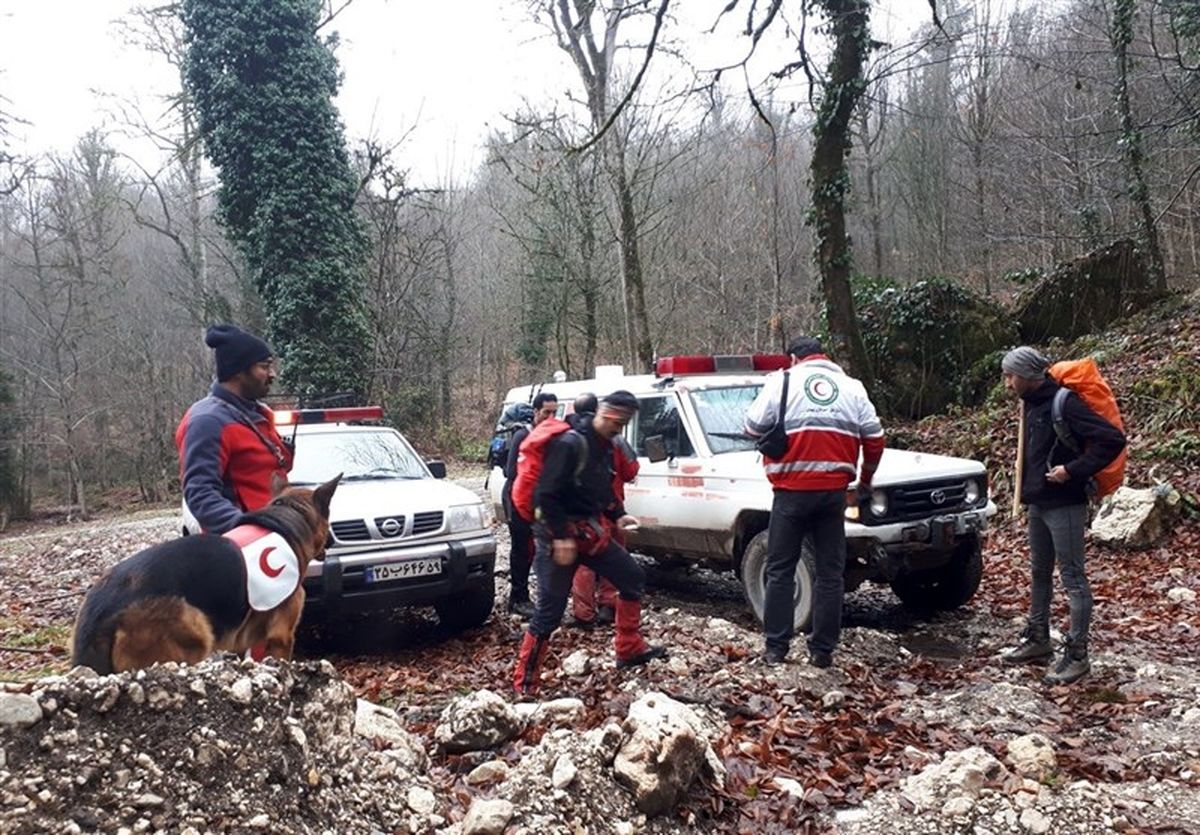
(844, 85)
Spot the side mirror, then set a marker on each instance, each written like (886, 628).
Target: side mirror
(437, 468)
(656, 448)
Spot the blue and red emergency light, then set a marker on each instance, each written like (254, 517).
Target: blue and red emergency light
(290, 417)
(719, 364)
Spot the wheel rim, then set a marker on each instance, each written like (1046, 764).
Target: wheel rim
(802, 595)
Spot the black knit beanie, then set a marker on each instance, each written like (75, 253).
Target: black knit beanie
(235, 349)
(805, 346)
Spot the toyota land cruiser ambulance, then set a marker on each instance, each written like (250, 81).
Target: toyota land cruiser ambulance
(702, 495)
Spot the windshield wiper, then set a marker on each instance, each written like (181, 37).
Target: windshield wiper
(735, 436)
(376, 475)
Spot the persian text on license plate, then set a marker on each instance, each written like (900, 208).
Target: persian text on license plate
(403, 570)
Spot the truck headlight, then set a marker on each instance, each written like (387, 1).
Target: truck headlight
(879, 503)
(465, 517)
(973, 492)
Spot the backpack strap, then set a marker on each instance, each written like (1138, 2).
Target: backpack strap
(1060, 424)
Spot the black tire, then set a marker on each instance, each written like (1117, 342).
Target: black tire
(948, 586)
(754, 567)
(468, 610)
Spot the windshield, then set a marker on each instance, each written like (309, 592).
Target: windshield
(375, 454)
(722, 414)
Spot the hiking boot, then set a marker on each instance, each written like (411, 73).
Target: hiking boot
(820, 660)
(605, 615)
(580, 623)
(774, 657)
(521, 608)
(1035, 646)
(644, 657)
(1073, 666)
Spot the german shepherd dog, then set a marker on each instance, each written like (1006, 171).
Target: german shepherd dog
(185, 599)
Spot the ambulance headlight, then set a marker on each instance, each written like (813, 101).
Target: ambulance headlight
(974, 490)
(466, 517)
(879, 503)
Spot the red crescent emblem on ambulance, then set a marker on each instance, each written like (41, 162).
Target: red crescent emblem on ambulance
(265, 566)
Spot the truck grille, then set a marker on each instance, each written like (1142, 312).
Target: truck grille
(427, 522)
(912, 501)
(352, 530)
(390, 527)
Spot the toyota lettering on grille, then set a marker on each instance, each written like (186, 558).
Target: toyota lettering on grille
(938, 497)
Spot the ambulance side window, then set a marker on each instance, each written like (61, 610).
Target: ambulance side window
(659, 415)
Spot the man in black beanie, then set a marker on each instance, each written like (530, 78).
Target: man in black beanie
(229, 451)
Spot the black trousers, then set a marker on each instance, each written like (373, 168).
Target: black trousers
(520, 555)
(554, 580)
(819, 514)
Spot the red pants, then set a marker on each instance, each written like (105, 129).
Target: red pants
(585, 596)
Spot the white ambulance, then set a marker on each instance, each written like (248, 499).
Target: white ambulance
(402, 536)
(702, 495)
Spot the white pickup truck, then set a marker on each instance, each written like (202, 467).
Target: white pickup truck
(402, 536)
(702, 495)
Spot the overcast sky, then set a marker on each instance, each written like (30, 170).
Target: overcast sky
(448, 67)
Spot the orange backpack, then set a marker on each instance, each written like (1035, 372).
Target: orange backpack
(1083, 377)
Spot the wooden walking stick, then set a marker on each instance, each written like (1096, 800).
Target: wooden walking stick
(1020, 468)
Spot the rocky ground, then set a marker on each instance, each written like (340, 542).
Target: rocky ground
(909, 732)
(918, 728)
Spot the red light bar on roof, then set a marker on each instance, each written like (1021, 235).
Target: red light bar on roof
(288, 417)
(718, 364)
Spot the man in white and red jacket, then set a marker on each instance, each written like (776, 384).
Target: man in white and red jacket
(828, 419)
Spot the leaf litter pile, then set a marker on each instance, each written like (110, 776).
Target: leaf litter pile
(800, 744)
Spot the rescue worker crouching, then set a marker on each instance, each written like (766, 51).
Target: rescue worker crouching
(564, 482)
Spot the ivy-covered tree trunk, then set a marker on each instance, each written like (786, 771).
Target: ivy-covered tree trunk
(263, 83)
(844, 86)
(1131, 143)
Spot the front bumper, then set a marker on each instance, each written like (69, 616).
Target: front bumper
(937, 533)
(338, 584)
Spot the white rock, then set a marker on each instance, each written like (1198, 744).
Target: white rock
(790, 786)
(477, 721)
(487, 817)
(1181, 594)
(1031, 754)
(372, 721)
(834, 698)
(959, 773)
(241, 691)
(19, 710)
(577, 664)
(1035, 822)
(958, 806)
(259, 821)
(564, 773)
(566, 711)
(421, 800)
(492, 770)
(1191, 716)
(1133, 518)
(665, 751)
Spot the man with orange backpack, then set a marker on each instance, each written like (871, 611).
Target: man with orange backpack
(564, 486)
(1064, 445)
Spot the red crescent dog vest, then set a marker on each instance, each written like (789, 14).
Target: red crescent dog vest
(272, 569)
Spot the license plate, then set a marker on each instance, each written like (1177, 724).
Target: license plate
(403, 570)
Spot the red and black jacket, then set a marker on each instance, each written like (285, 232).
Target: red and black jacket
(228, 452)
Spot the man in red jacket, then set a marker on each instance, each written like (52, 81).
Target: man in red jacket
(230, 455)
(587, 589)
(829, 420)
